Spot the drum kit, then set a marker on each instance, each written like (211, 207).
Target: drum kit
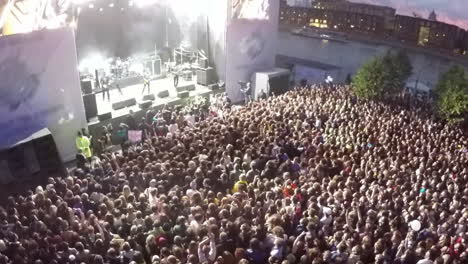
(120, 69)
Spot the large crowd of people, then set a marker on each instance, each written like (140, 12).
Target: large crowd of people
(311, 176)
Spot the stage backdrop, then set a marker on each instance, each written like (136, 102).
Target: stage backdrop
(40, 88)
(251, 41)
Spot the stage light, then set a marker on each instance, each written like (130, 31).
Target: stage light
(80, 2)
(73, 24)
(144, 3)
(91, 6)
(111, 5)
(251, 9)
(130, 3)
(100, 9)
(94, 62)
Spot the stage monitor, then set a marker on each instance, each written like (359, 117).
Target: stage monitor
(250, 9)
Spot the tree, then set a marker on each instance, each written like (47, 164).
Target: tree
(452, 94)
(369, 80)
(383, 77)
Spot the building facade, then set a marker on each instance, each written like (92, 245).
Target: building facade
(427, 33)
(335, 20)
(378, 21)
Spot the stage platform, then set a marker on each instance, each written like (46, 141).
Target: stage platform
(135, 91)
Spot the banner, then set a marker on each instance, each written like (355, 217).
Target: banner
(135, 136)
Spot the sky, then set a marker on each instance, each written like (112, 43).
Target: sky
(448, 11)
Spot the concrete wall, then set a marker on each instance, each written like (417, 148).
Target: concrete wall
(351, 55)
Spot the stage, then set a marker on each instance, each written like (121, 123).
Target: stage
(104, 106)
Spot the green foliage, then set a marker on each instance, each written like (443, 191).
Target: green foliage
(452, 94)
(383, 76)
(369, 82)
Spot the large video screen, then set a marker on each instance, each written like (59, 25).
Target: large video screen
(250, 9)
(40, 88)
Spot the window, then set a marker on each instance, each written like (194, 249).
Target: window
(423, 38)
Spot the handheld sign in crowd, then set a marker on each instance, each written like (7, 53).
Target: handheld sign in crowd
(135, 136)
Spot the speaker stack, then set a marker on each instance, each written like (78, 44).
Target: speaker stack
(90, 106)
(203, 63)
(206, 76)
(86, 86)
(89, 99)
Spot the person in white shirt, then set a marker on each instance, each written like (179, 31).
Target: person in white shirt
(207, 253)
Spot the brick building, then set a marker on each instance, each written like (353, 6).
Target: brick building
(379, 21)
(338, 20)
(428, 33)
(340, 15)
(385, 12)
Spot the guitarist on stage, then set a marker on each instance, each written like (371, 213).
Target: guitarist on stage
(146, 83)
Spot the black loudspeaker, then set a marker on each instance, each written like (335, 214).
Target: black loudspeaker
(90, 105)
(163, 94)
(184, 94)
(190, 87)
(146, 105)
(181, 89)
(205, 76)
(213, 87)
(149, 97)
(203, 63)
(87, 86)
(105, 116)
(119, 105)
(130, 102)
(124, 103)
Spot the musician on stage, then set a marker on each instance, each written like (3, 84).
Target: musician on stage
(146, 83)
(176, 79)
(246, 91)
(119, 88)
(105, 82)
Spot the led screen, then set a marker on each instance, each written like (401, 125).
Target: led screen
(250, 9)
